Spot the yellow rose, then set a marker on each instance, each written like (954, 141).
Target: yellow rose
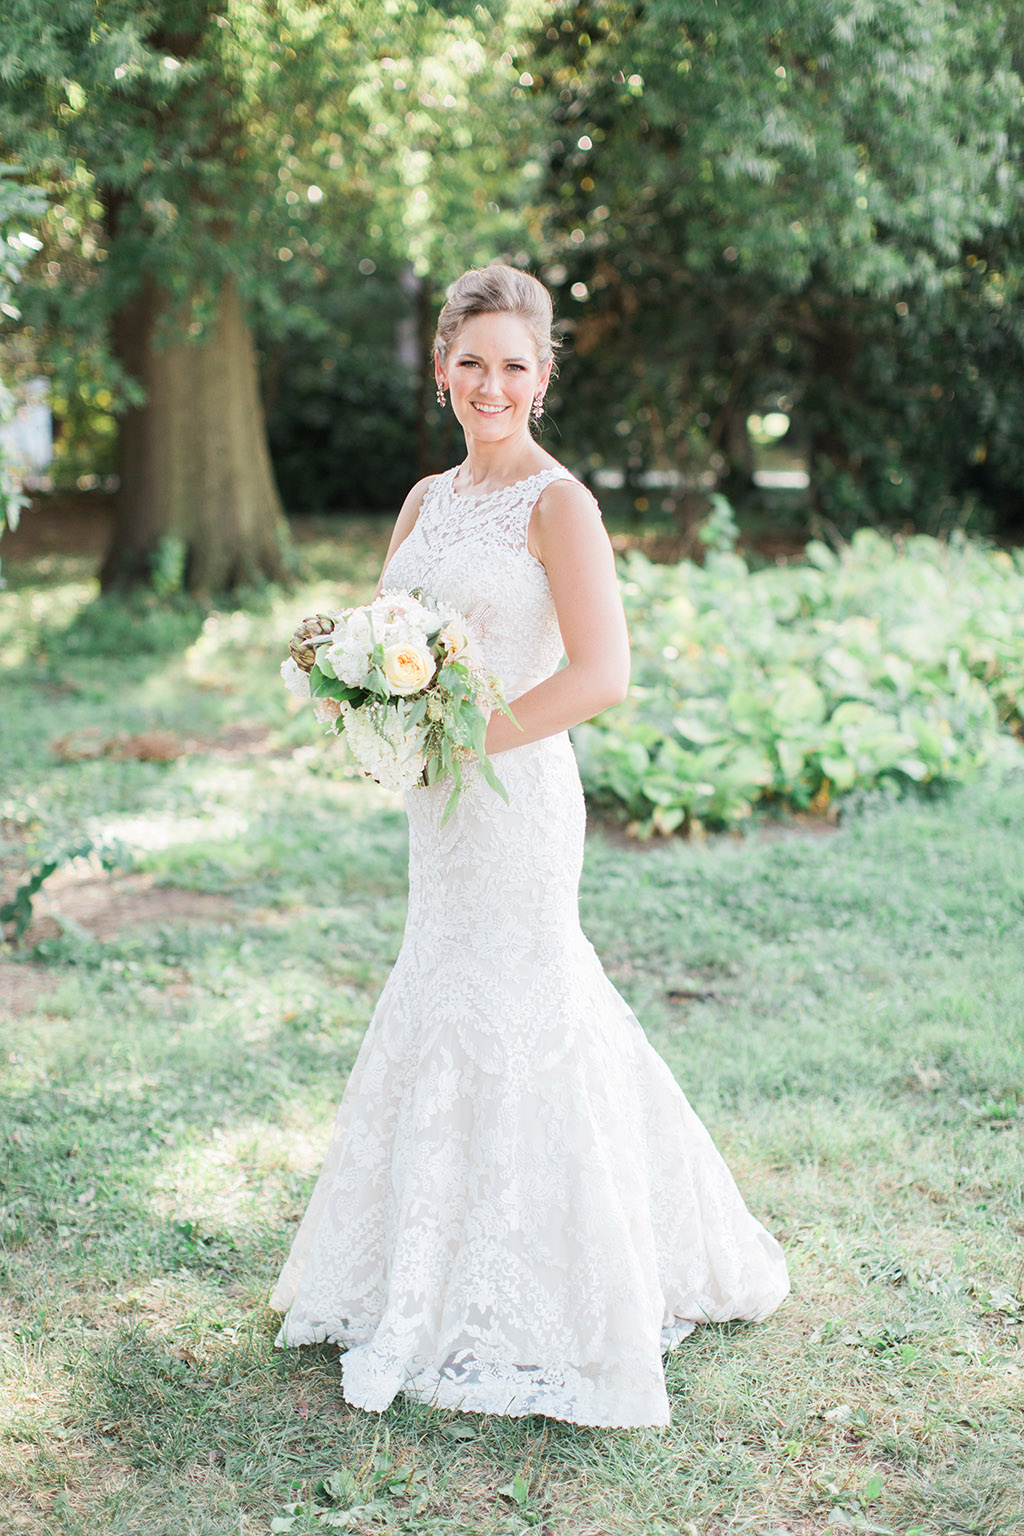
(408, 667)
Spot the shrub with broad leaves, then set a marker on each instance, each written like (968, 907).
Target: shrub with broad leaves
(885, 663)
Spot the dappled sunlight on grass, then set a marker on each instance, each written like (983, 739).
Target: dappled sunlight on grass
(836, 1007)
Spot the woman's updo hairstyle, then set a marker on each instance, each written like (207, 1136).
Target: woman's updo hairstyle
(497, 290)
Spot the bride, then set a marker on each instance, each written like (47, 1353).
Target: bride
(519, 1212)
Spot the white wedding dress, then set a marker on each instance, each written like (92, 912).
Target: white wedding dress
(519, 1211)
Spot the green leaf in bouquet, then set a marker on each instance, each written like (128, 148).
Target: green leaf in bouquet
(491, 778)
(377, 683)
(457, 728)
(454, 680)
(417, 710)
(478, 733)
(506, 710)
(456, 771)
(323, 687)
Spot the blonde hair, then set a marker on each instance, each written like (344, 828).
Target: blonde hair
(494, 290)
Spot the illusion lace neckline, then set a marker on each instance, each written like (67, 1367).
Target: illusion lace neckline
(501, 489)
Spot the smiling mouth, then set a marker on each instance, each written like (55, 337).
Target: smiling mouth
(489, 410)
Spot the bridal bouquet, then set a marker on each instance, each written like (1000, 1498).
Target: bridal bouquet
(403, 682)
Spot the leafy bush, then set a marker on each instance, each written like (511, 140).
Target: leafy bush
(887, 663)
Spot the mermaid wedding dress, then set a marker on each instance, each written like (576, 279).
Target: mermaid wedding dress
(519, 1211)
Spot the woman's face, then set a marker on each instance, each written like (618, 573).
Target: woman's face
(493, 375)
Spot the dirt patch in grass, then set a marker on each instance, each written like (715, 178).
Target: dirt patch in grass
(109, 908)
(23, 988)
(234, 742)
(764, 829)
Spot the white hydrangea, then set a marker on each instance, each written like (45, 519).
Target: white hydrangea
(395, 759)
(347, 659)
(294, 679)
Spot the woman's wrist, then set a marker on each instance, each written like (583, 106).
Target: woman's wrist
(501, 733)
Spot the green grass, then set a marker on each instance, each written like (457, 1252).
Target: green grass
(845, 1010)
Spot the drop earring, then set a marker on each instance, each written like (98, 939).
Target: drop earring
(442, 402)
(537, 409)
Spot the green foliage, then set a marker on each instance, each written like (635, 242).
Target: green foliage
(288, 147)
(20, 205)
(884, 664)
(743, 203)
(341, 407)
(913, 410)
(812, 208)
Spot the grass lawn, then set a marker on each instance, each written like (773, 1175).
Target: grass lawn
(844, 1008)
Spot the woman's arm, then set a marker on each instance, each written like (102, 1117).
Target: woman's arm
(569, 539)
(405, 521)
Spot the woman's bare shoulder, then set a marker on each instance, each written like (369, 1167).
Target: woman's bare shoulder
(565, 509)
(565, 493)
(414, 498)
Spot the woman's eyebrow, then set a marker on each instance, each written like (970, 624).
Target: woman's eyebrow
(477, 358)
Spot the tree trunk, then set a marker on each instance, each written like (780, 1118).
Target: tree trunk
(197, 498)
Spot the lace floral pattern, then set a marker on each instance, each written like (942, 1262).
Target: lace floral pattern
(519, 1211)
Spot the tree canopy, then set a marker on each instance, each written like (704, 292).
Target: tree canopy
(739, 197)
(813, 207)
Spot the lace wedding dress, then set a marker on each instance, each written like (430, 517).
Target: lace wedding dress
(519, 1211)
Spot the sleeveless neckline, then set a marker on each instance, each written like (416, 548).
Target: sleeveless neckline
(513, 485)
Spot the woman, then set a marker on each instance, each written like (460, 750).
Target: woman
(519, 1211)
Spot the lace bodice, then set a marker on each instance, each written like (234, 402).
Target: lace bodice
(472, 552)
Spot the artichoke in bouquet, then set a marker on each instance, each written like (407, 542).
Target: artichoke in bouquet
(302, 653)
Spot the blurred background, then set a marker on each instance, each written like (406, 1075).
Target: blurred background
(784, 243)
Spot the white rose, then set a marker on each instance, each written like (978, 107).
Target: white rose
(357, 628)
(455, 641)
(327, 710)
(402, 608)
